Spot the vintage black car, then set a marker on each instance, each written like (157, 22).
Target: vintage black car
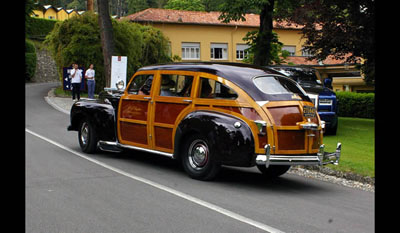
(207, 115)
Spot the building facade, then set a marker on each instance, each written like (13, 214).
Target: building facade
(55, 13)
(200, 36)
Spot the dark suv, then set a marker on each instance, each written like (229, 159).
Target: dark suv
(322, 96)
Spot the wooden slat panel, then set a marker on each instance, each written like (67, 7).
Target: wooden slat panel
(134, 132)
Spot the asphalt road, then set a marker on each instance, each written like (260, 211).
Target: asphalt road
(69, 191)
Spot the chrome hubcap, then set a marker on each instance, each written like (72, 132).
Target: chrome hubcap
(198, 154)
(84, 133)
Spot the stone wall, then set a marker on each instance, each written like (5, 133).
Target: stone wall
(46, 69)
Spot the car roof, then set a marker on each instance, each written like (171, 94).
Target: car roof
(289, 67)
(239, 73)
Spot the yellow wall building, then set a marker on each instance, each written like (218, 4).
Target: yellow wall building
(200, 36)
(50, 12)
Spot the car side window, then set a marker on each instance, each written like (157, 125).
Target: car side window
(176, 85)
(141, 85)
(212, 89)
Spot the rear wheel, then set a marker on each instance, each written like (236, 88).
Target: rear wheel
(198, 158)
(87, 136)
(273, 170)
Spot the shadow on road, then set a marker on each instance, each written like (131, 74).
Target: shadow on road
(232, 177)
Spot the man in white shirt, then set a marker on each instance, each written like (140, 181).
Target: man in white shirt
(89, 75)
(76, 80)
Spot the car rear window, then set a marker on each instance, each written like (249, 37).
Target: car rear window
(276, 85)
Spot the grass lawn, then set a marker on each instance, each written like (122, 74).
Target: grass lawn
(357, 136)
(61, 93)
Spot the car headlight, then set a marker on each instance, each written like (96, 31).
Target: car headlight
(120, 84)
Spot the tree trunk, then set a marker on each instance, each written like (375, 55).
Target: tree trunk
(107, 39)
(262, 54)
(90, 5)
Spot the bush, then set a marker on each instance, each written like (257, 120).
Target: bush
(361, 105)
(38, 28)
(78, 40)
(30, 60)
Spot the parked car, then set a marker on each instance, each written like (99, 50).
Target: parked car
(207, 115)
(322, 96)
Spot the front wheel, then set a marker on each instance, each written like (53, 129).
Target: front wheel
(273, 170)
(198, 158)
(87, 137)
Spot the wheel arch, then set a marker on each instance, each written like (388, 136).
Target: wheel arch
(235, 145)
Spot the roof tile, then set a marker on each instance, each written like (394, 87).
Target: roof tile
(156, 15)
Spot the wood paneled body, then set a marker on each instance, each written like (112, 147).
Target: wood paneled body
(150, 121)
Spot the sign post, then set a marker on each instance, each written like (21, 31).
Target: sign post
(119, 66)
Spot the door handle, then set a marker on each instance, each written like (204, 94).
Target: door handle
(187, 101)
(147, 98)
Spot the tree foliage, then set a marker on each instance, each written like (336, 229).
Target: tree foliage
(340, 28)
(77, 40)
(189, 5)
(236, 9)
(337, 27)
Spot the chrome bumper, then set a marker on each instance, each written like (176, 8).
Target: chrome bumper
(321, 158)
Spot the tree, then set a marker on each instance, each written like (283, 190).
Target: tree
(78, 40)
(189, 5)
(136, 6)
(236, 9)
(107, 40)
(338, 28)
(90, 4)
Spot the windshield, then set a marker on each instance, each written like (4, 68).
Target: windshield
(301, 75)
(279, 86)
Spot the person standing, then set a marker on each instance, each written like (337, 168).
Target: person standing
(76, 80)
(89, 76)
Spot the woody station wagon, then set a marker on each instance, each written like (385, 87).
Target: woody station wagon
(207, 115)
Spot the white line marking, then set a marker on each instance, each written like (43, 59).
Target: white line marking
(165, 188)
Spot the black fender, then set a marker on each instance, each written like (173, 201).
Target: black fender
(234, 145)
(101, 113)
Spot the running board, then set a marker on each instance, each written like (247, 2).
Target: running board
(109, 146)
(117, 147)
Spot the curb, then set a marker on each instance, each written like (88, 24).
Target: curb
(49, 100)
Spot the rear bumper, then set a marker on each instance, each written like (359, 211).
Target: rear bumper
(321, 158)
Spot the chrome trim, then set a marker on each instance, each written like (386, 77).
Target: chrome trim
(237, 125)
(323, 123)
(119, 145)
(169, 155)
(311, 126)
(321, 158)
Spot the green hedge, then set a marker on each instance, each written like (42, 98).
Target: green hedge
(38, 28)
(30, 60)
(361, 105)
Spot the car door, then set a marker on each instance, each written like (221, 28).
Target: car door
(172, 100)
(134, 111)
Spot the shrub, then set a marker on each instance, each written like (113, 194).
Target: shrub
(38, 28)
(78, 40)
(30, 60)
(360, 105)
